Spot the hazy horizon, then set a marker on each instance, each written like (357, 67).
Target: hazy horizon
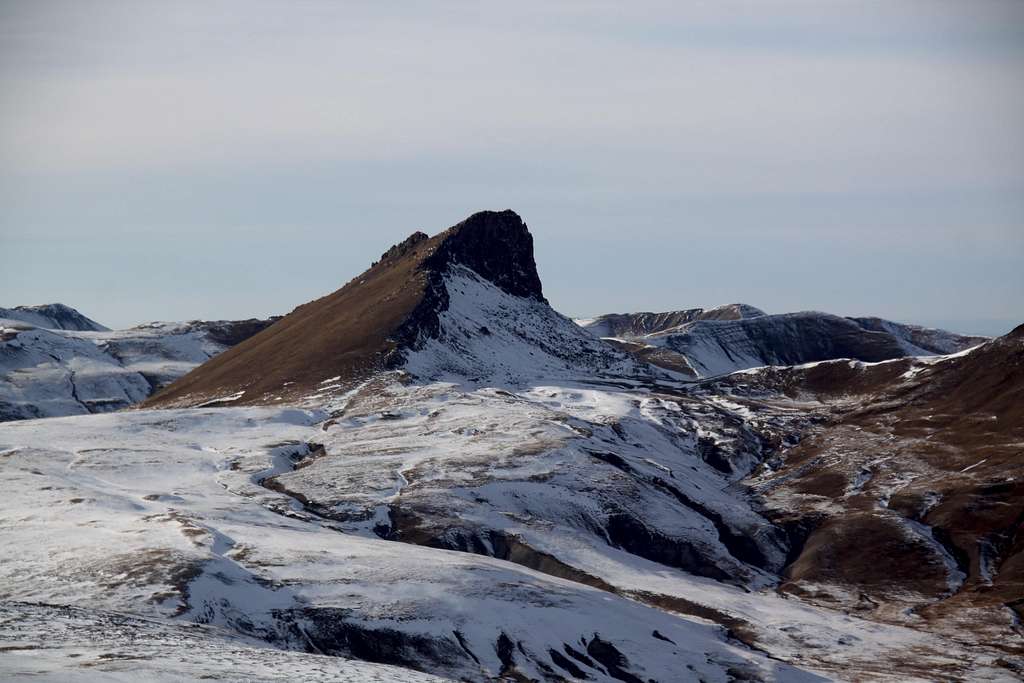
(180, 161)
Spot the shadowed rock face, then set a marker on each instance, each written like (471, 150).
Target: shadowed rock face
(497, 246)
(369, 324)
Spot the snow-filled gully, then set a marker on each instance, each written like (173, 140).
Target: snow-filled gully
(955, 574)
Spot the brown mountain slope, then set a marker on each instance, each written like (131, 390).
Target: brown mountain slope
(364, 326)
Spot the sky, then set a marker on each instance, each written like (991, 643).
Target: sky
(222, 160)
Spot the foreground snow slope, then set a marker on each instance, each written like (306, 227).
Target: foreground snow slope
(611, 487)
(159, 514)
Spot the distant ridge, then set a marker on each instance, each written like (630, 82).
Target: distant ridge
(629, 325)
(52, 317)
(52, 372)
(703, 343)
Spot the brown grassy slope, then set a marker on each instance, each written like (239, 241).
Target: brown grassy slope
(344, 333)
(969, 414)
(949, 447)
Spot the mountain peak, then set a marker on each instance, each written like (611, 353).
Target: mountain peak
(496, 245)
(383, 317)
(737, 311)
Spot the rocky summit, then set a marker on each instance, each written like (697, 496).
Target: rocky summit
(430, 474)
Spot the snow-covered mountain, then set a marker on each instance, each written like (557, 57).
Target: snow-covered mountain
(702, 343)
(431, 469)
(73, 365)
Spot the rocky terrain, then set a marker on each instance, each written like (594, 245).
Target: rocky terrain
(432, 473)
(54, 361)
